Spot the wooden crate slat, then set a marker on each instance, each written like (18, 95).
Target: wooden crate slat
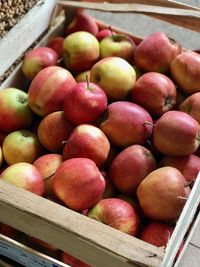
(75, 233)
(25, 32)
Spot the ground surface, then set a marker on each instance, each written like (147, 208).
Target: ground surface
(142, 25)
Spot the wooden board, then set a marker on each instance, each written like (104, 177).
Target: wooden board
(25, 32)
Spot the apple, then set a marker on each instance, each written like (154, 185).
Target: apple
(82, 22)
(163, 193)
(104, 33)
(37, 59)
(15, 111)
(110, 190)
(85, 103)
(21, 146)
(1, 156)
(78, 183)
(176, 134)
(115, 76)
(82, 76)
(189, 165)
(116, 213)
(24, 175)
(81, 51)
(47, 165)
(72, 261)
(118, 45)
(56, 43)
(185, 71)
(156, 52)
(48, 90)
(155, 92)
(157, 233)
(130, 167)
(191, 105)
(43, 246)
(126, 124)
(53, 130)
(8, 231)
(87, 141)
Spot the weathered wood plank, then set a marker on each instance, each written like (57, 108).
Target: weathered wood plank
(191, 257)
(15, 42)
(84, 238)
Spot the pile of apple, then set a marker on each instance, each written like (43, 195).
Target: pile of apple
(107, 127)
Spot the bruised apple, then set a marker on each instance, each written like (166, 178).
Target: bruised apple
(126, 124)
(176, 134)
(163, 193)
(130, 167)
(78, 183)
(48, 90)
(116, 213)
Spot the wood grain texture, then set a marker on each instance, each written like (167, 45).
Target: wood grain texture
(25, 32)
(84, 238)
(172, 12)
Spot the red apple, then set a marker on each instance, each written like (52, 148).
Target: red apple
(115, 76)
(163, 193)
(126, 125)
(157, 233)
(72, 261)
(36, 59)
(84, 103)
(118, 45)
(116, 213)
(155, 92)
(15, 111)
(56, 44)
(130, 167)
(189, 166)
(47, 166)
(87, 141)
(81, 51)
(82, 22)
(176, 134)
(78, 183)
(21, 146)
(185, 71)
(53, 130)
(24, 175)
(48, 90)
(104, 33)
(8, 231)
(156, 52)
(191, 105)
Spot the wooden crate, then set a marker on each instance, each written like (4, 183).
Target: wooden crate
(93, 242)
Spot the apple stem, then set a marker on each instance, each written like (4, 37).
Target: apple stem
(110, 28)
(182, 198)
(88, 83)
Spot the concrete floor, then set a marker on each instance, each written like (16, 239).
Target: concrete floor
(142, 25)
